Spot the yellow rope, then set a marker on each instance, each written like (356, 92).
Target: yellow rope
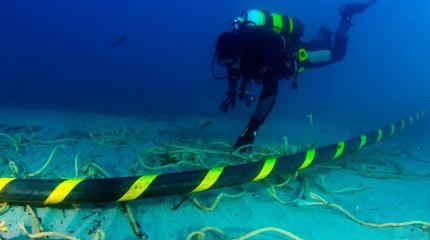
(285, 182)
(15, 144)
(303, 187)
(94, 138)
(47, 162)
(198, 155)
(208, 151)
(3, 227)
(99, 168)
(212, 206)
(273, 193)
(311, 120)
(380, 174)
(134, 224)
(226, 162)
(183, 162)
(221, 143)
(37, 141)
(46, 234)
(99, 235)
(13, 168)
(4, 207)
(369, 224)
(35, 218)
(269, 229)
(185, 155)
(76, 165)
(116, 136)
(322, 185)
(128, 210)
(201, 234)
(329, 167)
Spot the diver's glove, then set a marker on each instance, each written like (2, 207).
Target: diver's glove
(229, 102)
(247, 97)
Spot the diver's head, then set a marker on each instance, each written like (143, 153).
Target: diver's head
(228, 49)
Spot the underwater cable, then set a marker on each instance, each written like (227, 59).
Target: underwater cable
(121, 189)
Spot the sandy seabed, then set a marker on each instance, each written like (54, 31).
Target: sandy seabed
(388, 182)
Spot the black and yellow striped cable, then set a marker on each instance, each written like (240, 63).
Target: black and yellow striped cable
(59, 191)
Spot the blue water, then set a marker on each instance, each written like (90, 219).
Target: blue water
(152, 59)
(57, 54)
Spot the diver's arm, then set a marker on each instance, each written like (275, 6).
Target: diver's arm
(230, 100)
(233, 81)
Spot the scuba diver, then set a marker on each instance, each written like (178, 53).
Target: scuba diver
(267, 47)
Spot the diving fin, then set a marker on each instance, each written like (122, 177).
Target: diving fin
(349, 10)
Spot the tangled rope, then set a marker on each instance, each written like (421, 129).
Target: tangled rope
(342, 210)
(201, 234)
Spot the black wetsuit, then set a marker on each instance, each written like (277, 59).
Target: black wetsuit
(264, 58)
(275, 62)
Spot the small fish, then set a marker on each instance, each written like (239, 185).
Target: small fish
(206, 124)
(119, 41)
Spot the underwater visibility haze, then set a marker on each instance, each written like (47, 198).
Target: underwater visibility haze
(113, 126)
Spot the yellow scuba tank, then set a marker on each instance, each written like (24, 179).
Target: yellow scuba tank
(288, 26)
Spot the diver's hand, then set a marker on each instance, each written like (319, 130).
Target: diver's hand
(229, 102)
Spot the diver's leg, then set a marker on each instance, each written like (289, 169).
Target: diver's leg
(341, 39)
(346, 11)
(264, 107)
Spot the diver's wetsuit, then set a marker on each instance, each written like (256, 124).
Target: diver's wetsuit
(270, 58)
(264, 57)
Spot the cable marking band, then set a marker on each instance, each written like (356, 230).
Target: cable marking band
(209, 180)
(268, 166)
